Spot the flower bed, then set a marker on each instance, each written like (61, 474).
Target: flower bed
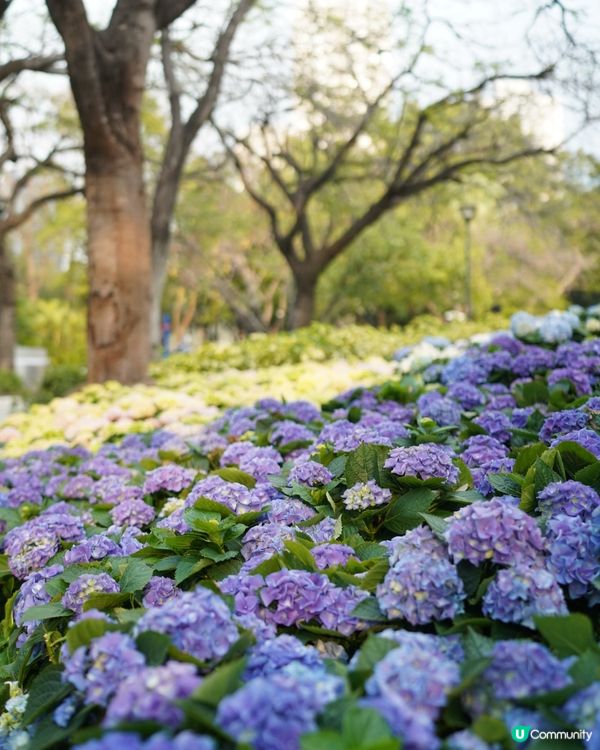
(415, 564)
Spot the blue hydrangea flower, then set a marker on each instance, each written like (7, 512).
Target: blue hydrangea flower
(494, 530)
(86, 586)
(276, 654)
(574, 553)
(570, 498)
(520, 592)
(310, 473)
(272, 712)
(198, 622)
(99, 669)
(152, 694)
(426, 461)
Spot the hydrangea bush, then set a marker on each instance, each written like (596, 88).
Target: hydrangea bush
(413, 565)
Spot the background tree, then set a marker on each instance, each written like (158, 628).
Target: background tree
(107, 70)
(376, 128)
(28, 180)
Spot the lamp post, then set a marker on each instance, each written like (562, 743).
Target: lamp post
(468, 214)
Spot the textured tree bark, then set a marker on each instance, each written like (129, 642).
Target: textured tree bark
(7, 309)
(303, 307)
(119, 261)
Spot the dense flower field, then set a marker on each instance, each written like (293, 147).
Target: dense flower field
(413, 565)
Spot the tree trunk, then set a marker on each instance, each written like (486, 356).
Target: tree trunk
(159, 278)
(119, 271)
(303, 306)
(7, 309)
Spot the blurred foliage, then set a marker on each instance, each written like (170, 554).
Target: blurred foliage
(318, 342)
(10, 384)
(55, 325)
(59, 380)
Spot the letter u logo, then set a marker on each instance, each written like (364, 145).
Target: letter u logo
(520, 734)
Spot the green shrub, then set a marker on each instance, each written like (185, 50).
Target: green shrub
(318, 342)
(10, 384)
(59, 380)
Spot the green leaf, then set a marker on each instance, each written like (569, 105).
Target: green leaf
(364, 463)
(154, 646)
(590, 475)
(106, 601)
(84, 631)
(527, 455)
(490, 729)
(301, 553)
(567, 634)
(575, 457)
(223, 681)
(372, 651)
(189, 566)
(477, 646)
(368, 609)
(326, 739)
(505, 484)
(46, 691)
(404, 513)
(231, 474)
(135, 576)
(436, 524)
(46, 612)
(363, 727)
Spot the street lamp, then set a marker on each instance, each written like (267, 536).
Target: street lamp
(468, 213)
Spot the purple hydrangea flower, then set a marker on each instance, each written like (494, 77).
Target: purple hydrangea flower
(271, 713)
(275, 654)
(426, 461)
(244, 588)
(494, 530)
(32, 594)
(580, 380)
(421, 540)
(574, 553)
(286, 432)
(198, 622)
(182, 741)
(583, 709)
(497, 466)
(466, 740)
(327, 555)
(30, 546)
(310, 473)
(520, 592)
(99, 669)
(421, 589)
(86, 586)
(588, 439)
(496, 424)
(152, 694)
(442, 410)
(159, 590)
(112, 490)
(365, 495)
(235, 496)
(522, 669)
(133, 512)
(289, 510)
(563, 421)
(290, 597)
(264, 541)
(447, 646)
(570, 498)
(419, 677)
(97, 547)
(170, 478)
(467, 395)
(481, 449)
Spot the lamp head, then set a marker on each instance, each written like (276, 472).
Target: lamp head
(468, 212)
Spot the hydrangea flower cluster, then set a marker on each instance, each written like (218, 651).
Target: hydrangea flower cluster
(302, 584)
(426, 461)
(365, 495)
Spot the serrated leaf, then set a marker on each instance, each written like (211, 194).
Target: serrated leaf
(231, 474)
(135, 576)
(46, 691)
(45, 612)
(84, 631)
(567, 634)
(224, 680)
(368, 609)
(404, 512)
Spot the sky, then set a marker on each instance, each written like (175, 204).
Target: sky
(482, 31)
